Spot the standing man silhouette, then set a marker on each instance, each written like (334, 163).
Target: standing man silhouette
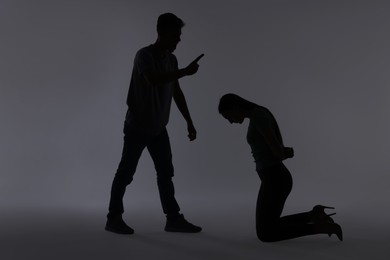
(154, 82)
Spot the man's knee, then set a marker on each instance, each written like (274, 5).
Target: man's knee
(165, 172)
(164, 180)
(123, 178)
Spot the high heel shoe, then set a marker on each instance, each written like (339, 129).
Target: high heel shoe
(336, 229)
(319, 216)
(330, 228)
(338, 232)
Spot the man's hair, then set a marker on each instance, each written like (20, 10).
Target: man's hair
(168, 22)
(233, 101)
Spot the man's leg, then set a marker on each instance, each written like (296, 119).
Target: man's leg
(160, 151)
(132, 150)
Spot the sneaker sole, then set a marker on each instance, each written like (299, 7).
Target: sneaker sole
(118, 232)
(181, 230)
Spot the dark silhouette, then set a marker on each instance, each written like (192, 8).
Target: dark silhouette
(154, 82)
(267, 146)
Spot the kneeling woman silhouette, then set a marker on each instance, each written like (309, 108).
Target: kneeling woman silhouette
(266, 143)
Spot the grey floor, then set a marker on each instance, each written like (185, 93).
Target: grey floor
(77, 233)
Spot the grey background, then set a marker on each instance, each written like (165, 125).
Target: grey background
(320, 66)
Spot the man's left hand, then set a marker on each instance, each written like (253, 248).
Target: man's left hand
(191, 132)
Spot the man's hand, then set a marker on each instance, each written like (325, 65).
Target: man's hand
(192, 68)
(191, 132)
(289, 152)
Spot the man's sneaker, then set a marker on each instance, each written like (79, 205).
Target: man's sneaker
(179, 224)
(117, 225)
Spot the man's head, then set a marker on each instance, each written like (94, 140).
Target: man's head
(169, 30)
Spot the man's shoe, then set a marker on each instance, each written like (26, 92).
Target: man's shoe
(117, 225)
(179, 224)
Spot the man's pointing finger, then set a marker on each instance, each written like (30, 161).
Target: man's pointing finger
(197, 59)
